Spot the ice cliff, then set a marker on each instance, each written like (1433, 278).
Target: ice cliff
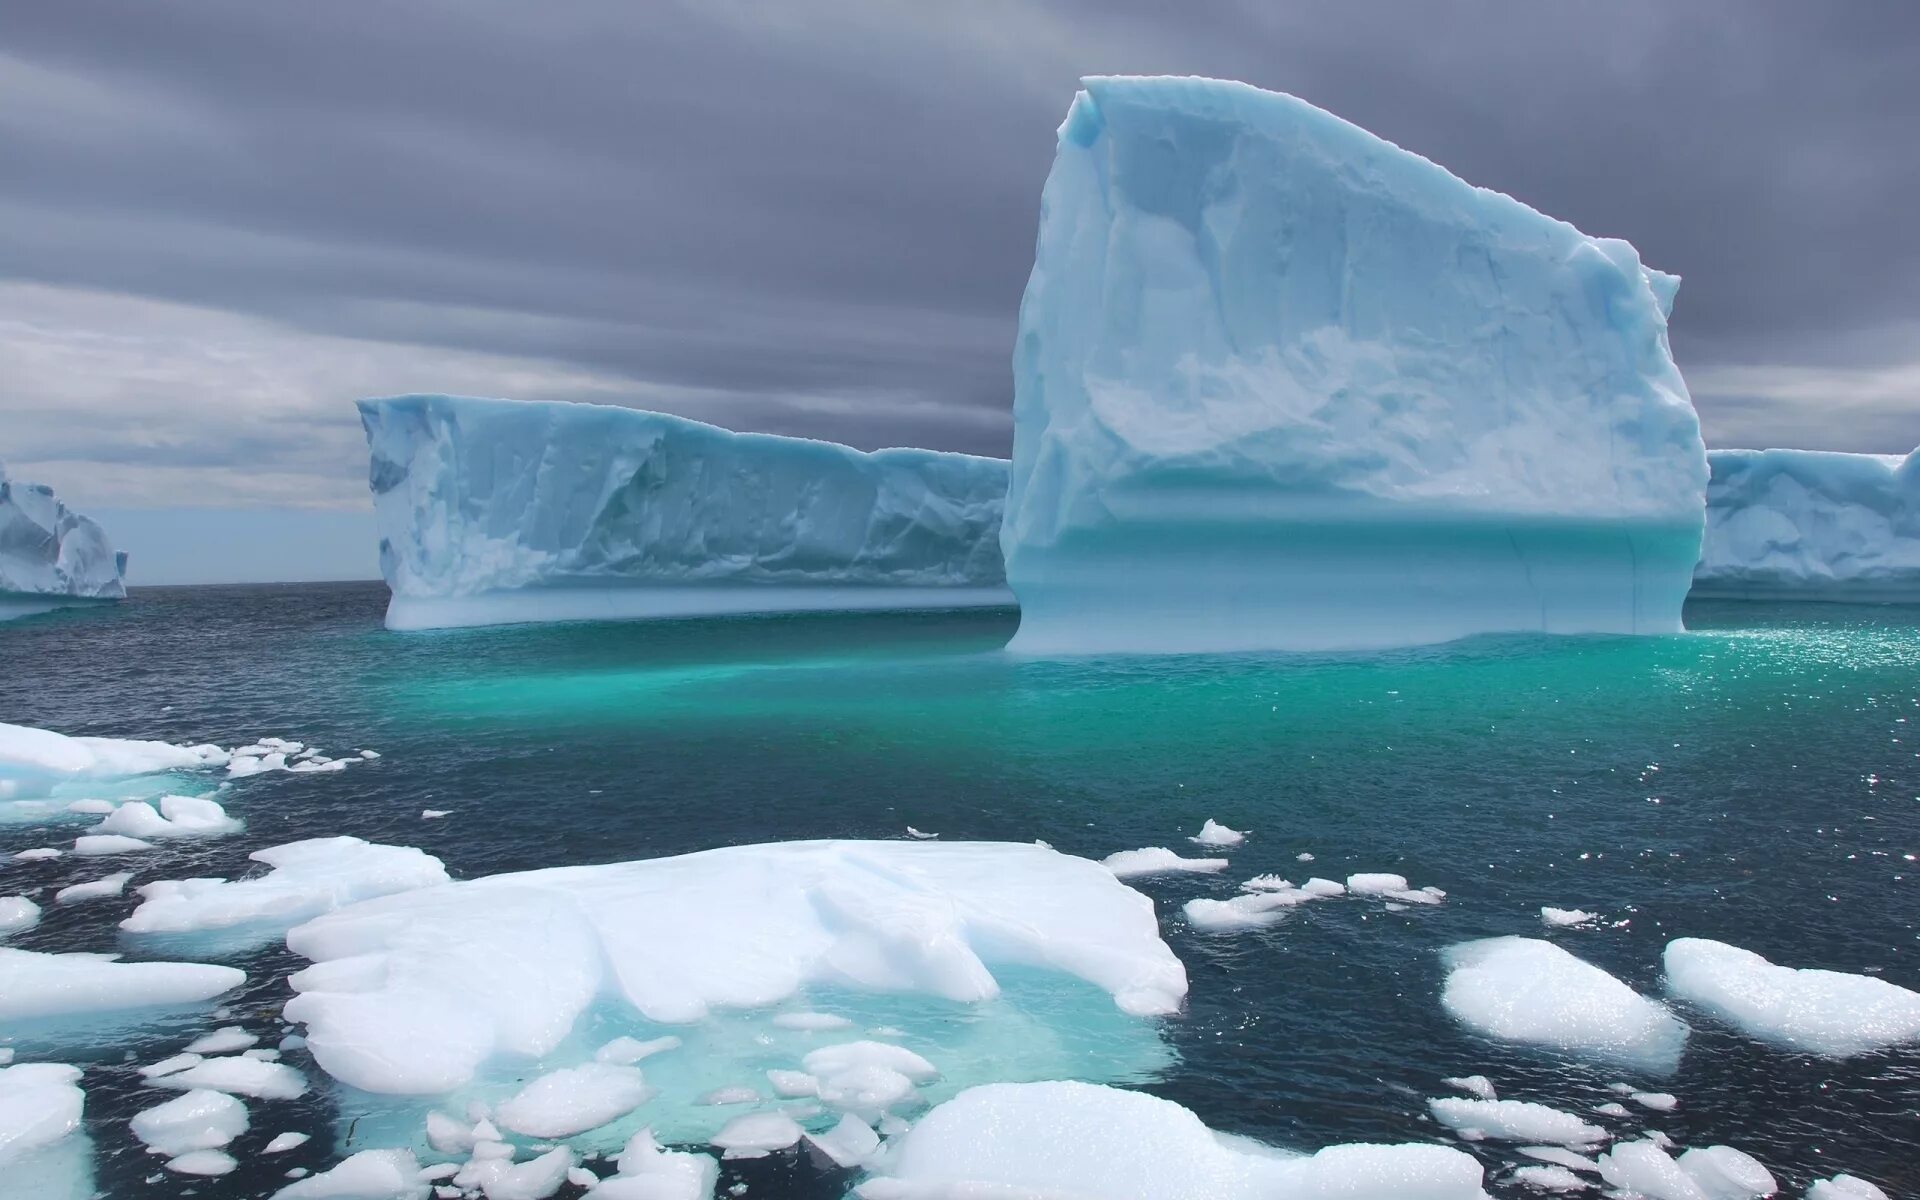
(51, 556)
(1811, 525)
(1281, 384)
(493, 511)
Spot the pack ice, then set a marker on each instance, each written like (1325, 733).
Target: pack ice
(494, 511)
(51, 556)
(1281, 384)
(1811, 525)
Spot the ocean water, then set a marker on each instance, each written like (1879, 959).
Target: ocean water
(1756, 780)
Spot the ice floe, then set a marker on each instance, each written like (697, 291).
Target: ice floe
(33, 984)
(1478, 1086)
(1724, 1173)
(1514, 1121)
(176, 817)
(40, 1103)
(202, 1119)
(240, 1076)
(1830, 1013)
(1212, 833)
(1528, 990)
(573, 1100)
(98, 889)
(17, 915)
(1158, 860)
(757, 1135)
(645, 1171)
(368, 1175)
(1563, 918)
(1844, 1187)
(97, 844)
(34, 761)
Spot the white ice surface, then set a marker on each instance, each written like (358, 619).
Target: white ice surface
(17, 914)
(1560, 918)
(1158, 860)
(238, 1075)
(34, 985)
(1527, 990)
(34, 761)
(368, 1175)
(1845, 1187)
(496, 510)
(1212, 833)
(1514, 1121)
(175, 817)
(201, 1119)
(1281, 384)
(573, 1100)
(1830, 1013)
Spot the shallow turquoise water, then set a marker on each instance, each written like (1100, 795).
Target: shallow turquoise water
(1756, 780)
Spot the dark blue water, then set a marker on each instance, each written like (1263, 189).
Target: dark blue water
(1756, 781)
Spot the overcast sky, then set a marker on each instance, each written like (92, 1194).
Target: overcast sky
(221, 222)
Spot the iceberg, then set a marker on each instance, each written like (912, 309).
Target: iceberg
(1811, 525)
(50, 556)
(1280, 384)
(497, 511)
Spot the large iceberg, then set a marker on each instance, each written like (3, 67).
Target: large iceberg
(1812, 525)
(51, 556)
(1281, 384)
(493, 511)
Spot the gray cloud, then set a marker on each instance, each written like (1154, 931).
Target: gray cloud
(818, 218)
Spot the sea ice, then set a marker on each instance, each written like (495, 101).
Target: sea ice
(412, 993)
(1657, 1101)
(224, 1040)
(106, 886)
(368, 1175)
(849, 1144)
(1514, 1121)
(1251, 910)
(573, 1100)
(1551, 1179)
(1527, 990)
(1215, 834)
(40, 1103)
(17, 914)
(239, 1075)
(647, 1172)
(176, 817)
(494, 511)
(307, 879)
(283, 1142)
(1811, 525)
(1724, 1173)
(200, 1120)
(1564, 917)
(1845, 1187)
(97, 844)
(1158, 860)
(756, 1135)
(1281, 384)
(1644, 1169)
(34, 761)
(1474, 1085)
(1078, 1141)
(626, 1051)
(1830, 1013)
(33, 984)
(51, 556)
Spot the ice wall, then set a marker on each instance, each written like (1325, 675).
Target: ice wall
(1280, 383)
(1812, 525)
(51, 556)
(493, 511)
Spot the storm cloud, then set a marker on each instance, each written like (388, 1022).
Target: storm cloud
(221, 222)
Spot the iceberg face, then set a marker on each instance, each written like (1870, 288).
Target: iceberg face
(493, 511)
(1811, 525)
(51, 556)
(1280, 384)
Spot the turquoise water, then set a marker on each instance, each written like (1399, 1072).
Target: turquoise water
(1755, 780)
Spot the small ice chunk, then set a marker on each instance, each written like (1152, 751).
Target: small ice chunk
(1212, 833)
(1250, 910)
(1644, 1169)
(574, 1099)
(1157, 860)
(1551, 1179)
(580, 1177)
(111, 885)
(199, 1120)
(757, 1135)
(625, 1051)
(369, 754)
(1561, 1156)
(36, 854)
(202, 1162)
(1657, 1101)
(1845, 1187)
(33, 984)
(1724, 1173)
(1830, 1013)
(1323, 887)
(92, 808)
(1562, 917)
(448, 1135)
(849, 1144)
(40, 1103)
(915, 833)
(811, 1022)
(1473, 1085)
(646, 1172)
(93, 845)
(832, 1060)
(368, 1175)
(434, 814)
(224, 1040)
(1376, 883)
(241, 1076)
(1515, 1121)
(17, 914)
(535, 1179)
(1612, 1109)
(1267, 883)
(168, 1066)
(284, 1142)
(793, 1085)
(176, 817)
(1303, 856)
(719, 1097)
(1528, 990)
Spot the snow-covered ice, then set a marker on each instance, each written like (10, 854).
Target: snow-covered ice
(51, 556)
(1158, 860)
(1528, 990)
(97, 845)
(35, 985)
(494, 511)
(1514, 1121)
(283, 1142)
(1078, 1141)
(645, 1171)
(1239, 425)
(1811, 525)
(1250, 910)
(1642, 1168)
(40, 1103)
(1474, 1085)
(412, 993)
(201, 1119)
(1830, 1013)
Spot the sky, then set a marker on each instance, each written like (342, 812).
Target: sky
(222, 221)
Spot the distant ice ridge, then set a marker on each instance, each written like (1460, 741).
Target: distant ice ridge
(496, 511)
(51, 556)
(1812, 525)
(1281, 384)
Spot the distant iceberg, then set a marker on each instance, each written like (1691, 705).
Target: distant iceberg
(495, 511)
(1281, 384)
(1812, 525)
(50, 556)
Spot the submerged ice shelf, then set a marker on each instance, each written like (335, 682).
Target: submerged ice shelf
(495, 511)
(1281, 384)
(51, 556)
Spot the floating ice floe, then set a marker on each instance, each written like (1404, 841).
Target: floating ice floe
(225, 1040)
(1845, 1187)
(102, 888)
(33, 762)
(37, 854)
(1830, 1013)
(1550, 1179)
(1657, 1101)
(757, 1135)
(1527, 990)
(201, 1119)
(645, 1171)
(40, 1103)
(573, 1100)
(368, 1175)
(1392, 887)
(35, 985)
(1215, 834)
(412, 993)
(1478, 1086)
(1158, 860)
(17, 914)
(239, 1075)
(280, 754)
(1562, 918)
(1250, 910)
(283, 1142)
(1724, 1173)
(176, 817)
(307, 879)
(94, 845)
(1644, 1168)
(1067, 1141)
(1514, 1121)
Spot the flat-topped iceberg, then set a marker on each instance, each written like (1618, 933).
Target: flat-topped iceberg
(51, 556)
(1812, 525)
(1281, 384)
(494, 511)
